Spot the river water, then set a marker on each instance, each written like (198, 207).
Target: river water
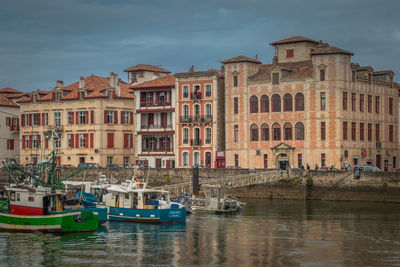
(277, 233)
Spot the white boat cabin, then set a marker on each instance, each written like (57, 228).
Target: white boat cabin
(214, 196)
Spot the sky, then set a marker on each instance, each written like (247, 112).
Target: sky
(43, 41)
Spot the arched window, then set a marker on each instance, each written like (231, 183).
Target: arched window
(185, 135)
(185, 158)
(276, 132)
(253, 104)
(276, 103)
(264, 103)
(196, 110)
(208, 110)
(299, 102)
(287, 102)
(196, 158)
(299, 129)
(264, 132)
(288, 131)
(254, 132)
(186, 111)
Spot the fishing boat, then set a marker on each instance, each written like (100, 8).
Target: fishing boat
(34, 202)
(134, 201)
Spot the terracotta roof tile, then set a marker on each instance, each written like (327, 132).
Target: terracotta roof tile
(145, 67)
(241, 59)
(7, 102)
(198, 73)
(12, 95)
(294, 39)
(9, 90)
(289, 70)
(49, 97)
(26, 99)
(95, 94)
(166, 81)
(326, 50)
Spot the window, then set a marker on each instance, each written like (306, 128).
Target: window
(57, 143)
(299, 102)
(110, 94)
(353, 76)
(186, 111)
(26, 141)
(57, 118)
(265, 161)
(36, 119)
(353, 131)
(185, 91)
(35, 141)
(264, 132)
(369, 78)
(70, 117)
(377, 132)
(276, 132)
(361, 131)
(58, 96)
(196, 110)
(109, 160)
(287, 131)
(299, 131)
(353, 101)
(208, 135)
(323, 159)
(390, 106)
(377, 104)
(196, 158)
(110, 116)
(185, 135)
(235, 81)
(235, 105)
(323, 100)
(276, 103)
(70, 141)
(361, 103)
(345, 130)
(289, 52)
(275, 78)
(45, 119)
(254, 132)
(82, 117)
(10, 144)
(369, 131)
(236, 160)
(344, 100)
(390, 133)
(185, 159)
(253, 104)
(236, 133)
(208, 90)
(82, 140)
(323, 130)
(264, 103)
(31, 199)
(370, 103)
(299, 160)
(322, 75)
(287, 102)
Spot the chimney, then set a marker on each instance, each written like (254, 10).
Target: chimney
(59, 84)
(112, 82)
(116, 86)
(82, 82)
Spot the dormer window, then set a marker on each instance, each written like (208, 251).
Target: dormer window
(58, 96)
(110, 94)
(275, 78)
(81, 95)
(289, 52)
(34, 98)
(235, 77)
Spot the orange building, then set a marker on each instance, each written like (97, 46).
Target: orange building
(200, 118)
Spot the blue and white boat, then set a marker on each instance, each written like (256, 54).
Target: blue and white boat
(133, 201)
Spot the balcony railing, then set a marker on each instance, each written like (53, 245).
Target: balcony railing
(14, 128)
(196, 119)
(195, 142)
(195, 96)
(158, 103)
(156, 149)
(155, 126)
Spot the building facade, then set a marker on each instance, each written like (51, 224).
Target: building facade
(312, 106)
(88, 121)
(200, 118)
(9, 130)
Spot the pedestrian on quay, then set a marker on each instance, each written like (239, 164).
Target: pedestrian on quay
(302, 167)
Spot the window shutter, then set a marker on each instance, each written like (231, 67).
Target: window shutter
(30, 141)
(23, 142)
(7, 121)
(105, 116)
(110, 140)
(91, 140)
(72, 117)
(39, 141)
(22, 119)
(131, 117)
(76, 140)
(72, 140)
(77, 117)
(125, 140)
(86, 117)
(115, 117)
(122, 117)
(39, 117)
(86, 140)
(92, 116)
(146, 162)
(46, 143)
(43, 118)
(12, 144)
(131, 137)
(30, 119)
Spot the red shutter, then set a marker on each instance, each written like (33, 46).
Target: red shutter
(46, 143)
(30, 119)
(30, 141)
(92, 116)
(72, 117)
(77, 117)
(72, 141)
(137, 162)
(43, 118)
(12, 144)
(23, 120)
(131, 117)
(131, 137)
(122, 117)
(76, 140)
(39, 117)
(91, 140)
(86, 117)
(7, 121)
(86, 140)
(146, 162)
(23, 142)
(110, 140)
(125, 140)
(39, 141)
(116, 117)
(105, 116)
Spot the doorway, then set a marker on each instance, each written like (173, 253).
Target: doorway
(378, 161)
(283, 164)
(208, 159)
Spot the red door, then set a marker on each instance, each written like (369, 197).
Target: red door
(208, 159)
(378, 161)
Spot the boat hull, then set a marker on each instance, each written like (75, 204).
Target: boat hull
(60, 223)
(147, 215)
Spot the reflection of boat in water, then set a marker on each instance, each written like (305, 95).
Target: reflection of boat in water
(216, 200)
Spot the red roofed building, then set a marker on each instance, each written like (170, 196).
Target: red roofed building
(93, 118)
(9, 130)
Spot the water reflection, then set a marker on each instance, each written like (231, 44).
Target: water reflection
(265, 233)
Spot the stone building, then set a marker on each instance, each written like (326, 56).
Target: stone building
(313, 106)
(9, 129)
(200, 118)
(90, 120)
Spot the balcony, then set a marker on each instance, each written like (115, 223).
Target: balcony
(159, 103)
(155, 127)
(195, 142)
(156, 149)
(14, 128)
(196, 119)
(195, 96)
